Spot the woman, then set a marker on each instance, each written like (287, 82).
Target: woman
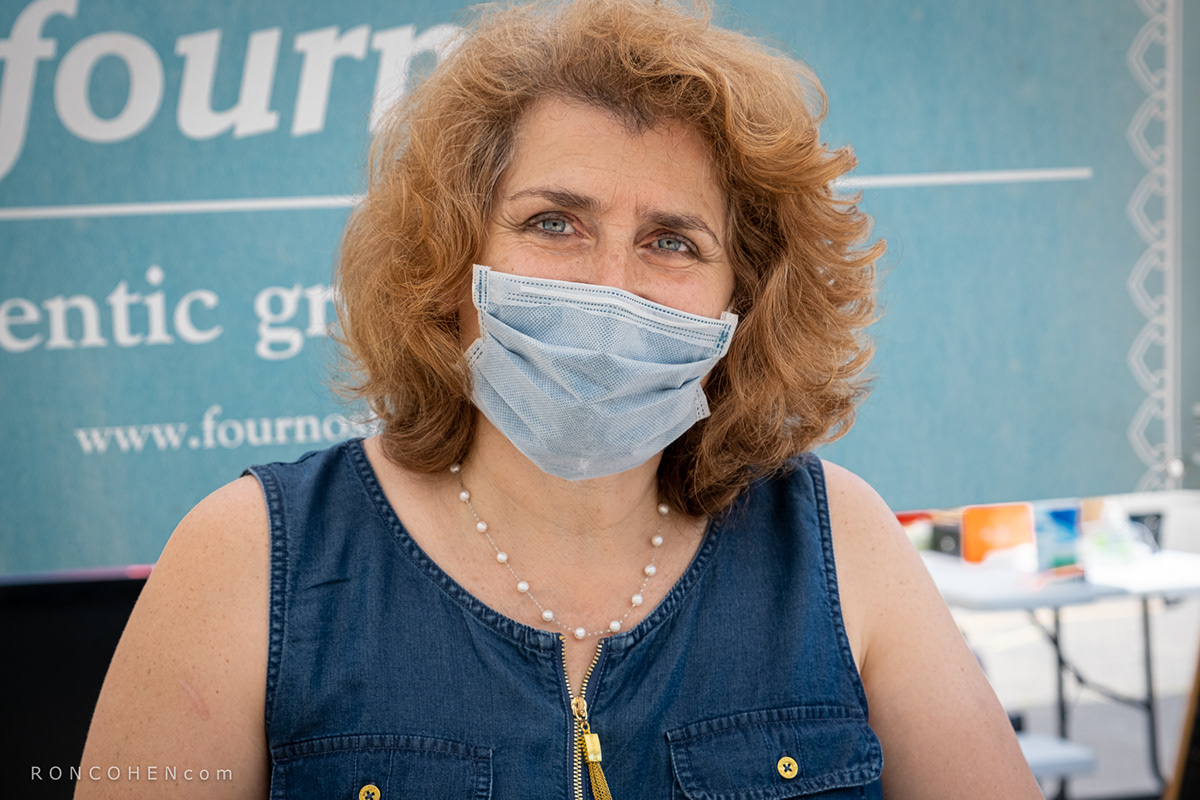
(585, 553)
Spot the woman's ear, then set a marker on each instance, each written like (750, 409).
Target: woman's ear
(468, 320)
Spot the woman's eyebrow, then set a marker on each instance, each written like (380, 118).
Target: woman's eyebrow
(566, 198)
(681, 222)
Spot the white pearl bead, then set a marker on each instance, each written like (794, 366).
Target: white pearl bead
(464, 495)
(455, 468)
(580, 633)
(637, 599)
(656, 541)
(615, 625)
(481, 526)
(502, 556)
(547, 615)
(522, 586)
(649, 570)
(663, 508)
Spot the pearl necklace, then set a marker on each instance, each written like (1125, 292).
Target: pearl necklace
(523, 586)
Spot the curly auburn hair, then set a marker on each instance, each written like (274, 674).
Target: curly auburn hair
(804, 277)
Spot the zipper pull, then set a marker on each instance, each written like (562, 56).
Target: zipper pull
(589, 745)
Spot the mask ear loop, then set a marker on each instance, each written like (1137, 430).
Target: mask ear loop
(478, 302)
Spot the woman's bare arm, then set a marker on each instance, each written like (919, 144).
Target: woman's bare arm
(943, 731)
(186, 687)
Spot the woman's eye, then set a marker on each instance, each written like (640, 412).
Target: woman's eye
(552, 225)
(672, 244)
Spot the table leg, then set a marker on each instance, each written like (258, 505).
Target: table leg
(1151, 713)
(1062, 696)
(1062, 668)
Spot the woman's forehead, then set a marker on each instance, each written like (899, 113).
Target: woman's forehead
(574, 147)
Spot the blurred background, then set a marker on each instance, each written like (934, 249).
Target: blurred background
(174, 179)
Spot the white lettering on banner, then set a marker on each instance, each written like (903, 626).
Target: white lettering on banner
(137, 318)
(20, 53)
(397, 48)
(26, 314)
(57, 307)
(277, 342)
(183, 317)
(73, 81)
(156, 314)
(321, 49)
(195, 117)
(251, 114)
(131, 438)
(215, 432)
(19, 312)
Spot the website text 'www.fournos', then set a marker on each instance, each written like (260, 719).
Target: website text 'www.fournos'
(216, 431)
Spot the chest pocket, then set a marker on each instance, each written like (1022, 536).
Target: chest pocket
(803, 751)
(381, 767)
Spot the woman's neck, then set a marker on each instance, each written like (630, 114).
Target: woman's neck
(581, 547)
(589, 517)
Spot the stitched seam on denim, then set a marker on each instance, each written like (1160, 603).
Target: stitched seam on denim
(715, 726)
(681, 758)
(517, 632)
(812, 465)
(847, 777)
(483, 778)
(278, 602)
(676, 595)
(363, 742)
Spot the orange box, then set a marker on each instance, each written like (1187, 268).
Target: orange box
(988, 528)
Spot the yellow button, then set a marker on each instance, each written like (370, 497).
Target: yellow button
(369, 792)
(787, 767)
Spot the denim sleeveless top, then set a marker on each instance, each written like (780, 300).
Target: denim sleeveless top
(386, 679)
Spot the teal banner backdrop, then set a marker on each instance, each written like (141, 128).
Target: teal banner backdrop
(174, 179)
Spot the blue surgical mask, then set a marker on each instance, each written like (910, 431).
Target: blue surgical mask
(587, 380)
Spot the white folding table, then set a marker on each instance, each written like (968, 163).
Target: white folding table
(985, 587)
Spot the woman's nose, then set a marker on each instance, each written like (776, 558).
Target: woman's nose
(611, 264)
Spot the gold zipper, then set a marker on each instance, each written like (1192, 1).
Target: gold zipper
(586, 744)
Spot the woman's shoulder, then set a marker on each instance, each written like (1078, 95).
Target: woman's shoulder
(238, 505)
(855, 509)
(859, 517)
(922, 683)
(186, 686)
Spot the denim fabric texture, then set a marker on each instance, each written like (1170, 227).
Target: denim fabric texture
(588, 380)
(383, 670)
